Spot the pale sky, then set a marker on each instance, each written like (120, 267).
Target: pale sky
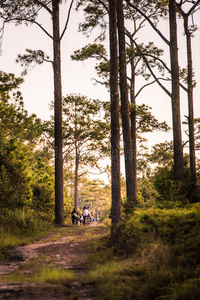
(37, 89)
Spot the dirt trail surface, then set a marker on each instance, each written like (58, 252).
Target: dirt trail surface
(69, 252)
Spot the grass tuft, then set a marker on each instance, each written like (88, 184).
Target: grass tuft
(53, 275)
(42, 275)
(155, 255)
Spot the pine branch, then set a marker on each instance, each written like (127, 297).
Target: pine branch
(163, 63)
(45, 6)
(67, 20)
(31, 21)
(144, 86)
(150, 22)
(148, 66)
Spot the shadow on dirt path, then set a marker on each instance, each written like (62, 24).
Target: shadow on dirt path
(69, 252)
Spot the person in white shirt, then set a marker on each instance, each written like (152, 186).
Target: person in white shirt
(81, 219)
(85, 215)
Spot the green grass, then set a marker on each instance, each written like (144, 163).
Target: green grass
(23, 226)
(43, 275)
(155, 256)
(11, 238)
(53, 275)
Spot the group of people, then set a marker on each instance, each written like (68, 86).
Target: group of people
(85, 218)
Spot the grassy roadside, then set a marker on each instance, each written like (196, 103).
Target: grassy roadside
(45, 270)
(156, 257)
(20, 227)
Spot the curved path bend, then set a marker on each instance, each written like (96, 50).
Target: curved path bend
(68, 252)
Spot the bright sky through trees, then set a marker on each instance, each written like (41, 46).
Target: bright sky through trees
(37, 88)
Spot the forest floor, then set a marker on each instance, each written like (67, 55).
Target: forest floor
(69, 252)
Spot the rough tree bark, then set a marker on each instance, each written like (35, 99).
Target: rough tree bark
(128, 153)
(185, 16)
(190, 102)
(59, 210)
(178, 148)
(76, 177)
(175, 98)
(115, 125)
(133, 123)
(27, 12)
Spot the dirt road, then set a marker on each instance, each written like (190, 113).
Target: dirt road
(69, 252)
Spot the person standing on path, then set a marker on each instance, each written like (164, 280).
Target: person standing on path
(85, 215)
(74, 216)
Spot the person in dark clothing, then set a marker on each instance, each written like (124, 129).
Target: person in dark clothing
(74, 217)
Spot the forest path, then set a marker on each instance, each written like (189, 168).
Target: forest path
(69, 252)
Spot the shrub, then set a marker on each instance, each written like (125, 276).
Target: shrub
(14, 189)
(169, 192)
(43, 197)
(155, 255)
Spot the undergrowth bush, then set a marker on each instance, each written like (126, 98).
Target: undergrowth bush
(156, 256)
(19, 226)
(20, 220)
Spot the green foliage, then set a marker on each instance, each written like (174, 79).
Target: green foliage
(95, 12)
(53, 275)
(29, 60)
(128, 207)
(177, 228)
(43, 188)
(189, 187)
(146, 122)
(8, 82)
(14, 187)
(183, 73)
(68, 207)
(97, 195)
(85, 132)
(26, 178)
(155, 255)
(171, 193)
(96, 51)
(162, 153)
(15, 122)
(18, 135)
(167, 188)
(145, 193)
(42, 198)
(196, 133)
(19, 223)
(152, 55)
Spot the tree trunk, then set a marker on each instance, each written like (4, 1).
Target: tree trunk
(115, 125)
(133, 123)
(128, 153)
(178, 147)
(59, 208)
(190, 102)
(71, 184)
(76, 177)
